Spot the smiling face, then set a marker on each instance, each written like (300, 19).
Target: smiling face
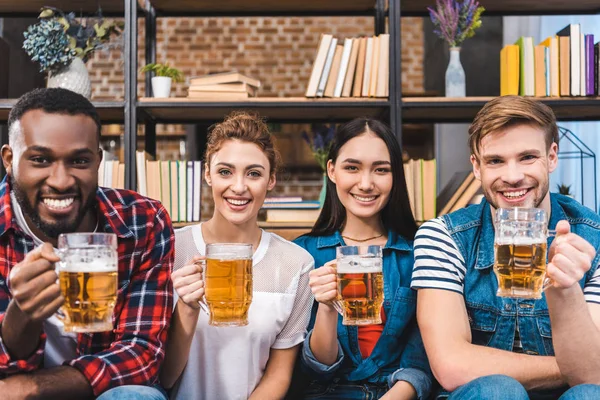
(514, 167)
(239, 176)
(363, 176)
(53, 166)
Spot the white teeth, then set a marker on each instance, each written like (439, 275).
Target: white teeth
(364, 198)
(515, 194)
(58, 204)
(238, 202)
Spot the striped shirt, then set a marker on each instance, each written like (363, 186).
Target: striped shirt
(440, 265)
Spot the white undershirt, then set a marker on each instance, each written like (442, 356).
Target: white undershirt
(60, 345)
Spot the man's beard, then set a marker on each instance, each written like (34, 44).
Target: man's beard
(51, 229)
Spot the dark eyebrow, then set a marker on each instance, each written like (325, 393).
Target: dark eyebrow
(492, 157)
(375, 163)
(47, 150)
(224, 164)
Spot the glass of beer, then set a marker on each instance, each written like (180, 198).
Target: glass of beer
(87, 272)
(359, 284)
(228, 283)
(520, 245)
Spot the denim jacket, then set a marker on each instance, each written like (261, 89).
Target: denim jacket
(493, 319)
(399, 354)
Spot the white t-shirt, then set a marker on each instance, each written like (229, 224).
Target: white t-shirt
(60, 345)
(229, 362)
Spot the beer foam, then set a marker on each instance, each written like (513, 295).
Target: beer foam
(520, 241)
(97, 265)
(358, 264)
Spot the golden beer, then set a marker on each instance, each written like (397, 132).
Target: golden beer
(520, 269)
(228, 291)
(360, 290)
(90, 298)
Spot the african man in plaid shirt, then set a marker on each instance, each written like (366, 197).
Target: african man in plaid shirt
(52, 163)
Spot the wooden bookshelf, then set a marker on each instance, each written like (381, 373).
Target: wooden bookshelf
(464, 109)
(110, 111)
(32, 7)
(264, 7)
(290, 109)
(513, 7)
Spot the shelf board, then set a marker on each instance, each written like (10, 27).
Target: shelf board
(110, 111)
(513, 7)
(288, 109)
(263, 8)
(445, 109)
(32, 7)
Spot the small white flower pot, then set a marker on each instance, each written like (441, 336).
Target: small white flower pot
(161, 86)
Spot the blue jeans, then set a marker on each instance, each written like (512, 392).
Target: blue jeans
(493, 387)
(580, 392)
(346, 391)
(134, 392)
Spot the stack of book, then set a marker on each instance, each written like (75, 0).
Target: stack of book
(462, 189)
(357, 68)
(111, 174)
(223, 86)
(421, 185)
(566, 64)
(176, 184)
(290, 209)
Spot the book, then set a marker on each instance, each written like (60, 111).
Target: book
(360, 68)
(239, 87)
(540, 70)
(465, 198)
(573, 32)
(551, 44)
(293, 215)
(318, 65)
(589, 65)
(343, 68)
(292, 205)
(564, 48)
(326, 68)
(383, 74)
(374, 66)
(509, 70)
(196, 198)
(223, 77)
(429, 188)
(165, 185)
(334, 71)
(453, 189)
(349, 79)
(366, 84)
(527, 71)
(216, 96)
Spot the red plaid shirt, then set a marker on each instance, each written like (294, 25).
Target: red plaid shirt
(132, 353)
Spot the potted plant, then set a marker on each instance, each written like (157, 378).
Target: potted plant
(61, 44)
(564, 189)
(165, 75)
(454, 22)
(320, 141)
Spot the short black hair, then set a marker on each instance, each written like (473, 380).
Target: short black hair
(54, 101)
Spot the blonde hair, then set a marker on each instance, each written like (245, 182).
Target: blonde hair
(506, 111)
(246, 127)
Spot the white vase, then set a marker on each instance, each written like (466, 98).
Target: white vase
(455, 75)
(161, 86)
(74, 77)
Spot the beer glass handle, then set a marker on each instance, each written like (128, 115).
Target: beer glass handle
(59, 314)
(338, 306)
(202, 301)
(547, 281)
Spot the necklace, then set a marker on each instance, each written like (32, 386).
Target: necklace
(362, 240)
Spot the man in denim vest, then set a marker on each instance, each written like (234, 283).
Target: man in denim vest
(482, 346)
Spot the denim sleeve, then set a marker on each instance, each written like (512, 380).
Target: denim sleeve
(414, 366)
(314, 368)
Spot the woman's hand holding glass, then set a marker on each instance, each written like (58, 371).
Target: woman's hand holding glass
(188, 282)
(323, 284)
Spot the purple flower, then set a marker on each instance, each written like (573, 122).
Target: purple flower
(455, 21)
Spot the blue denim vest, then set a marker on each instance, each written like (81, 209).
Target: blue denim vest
(493, 319)
(400, 344)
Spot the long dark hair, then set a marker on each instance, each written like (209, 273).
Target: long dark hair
(397, 214)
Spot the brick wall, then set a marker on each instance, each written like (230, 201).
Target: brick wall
(278, 51)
